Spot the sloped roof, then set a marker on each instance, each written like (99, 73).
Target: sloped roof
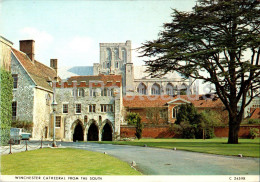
(164, 100)
(255, 114)
(66, 72)
(39, 72)
(146, 101)
(106, 79)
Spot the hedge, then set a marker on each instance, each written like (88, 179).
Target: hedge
(6, 97)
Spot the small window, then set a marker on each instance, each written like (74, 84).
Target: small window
(92, 92)
(65, 109)
(117, 65)
(81, 92)
(15, 77)
(108, 65)
(14, 110)
(85, 119)
(78, 108)
(58, 121)
(100, 118)
(92, 108)
(74, 92)
(107, 108)
(174, 112)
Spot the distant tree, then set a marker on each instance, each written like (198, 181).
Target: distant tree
(214, 38)
(135, 119)
(191, 124)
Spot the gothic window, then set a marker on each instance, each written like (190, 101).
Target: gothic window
(117, 65)
(15, 77)
(124, 55)
(155, 89)
(169, 89)
(116, 54)
(141, 89)
(109, 55)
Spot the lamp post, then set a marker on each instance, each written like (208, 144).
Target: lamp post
(54, 107)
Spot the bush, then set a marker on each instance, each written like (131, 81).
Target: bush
(253, 133)
(139, 128)
(135, 119)
(254, 121)
(26, 125)
(6, 97)
(191, 124)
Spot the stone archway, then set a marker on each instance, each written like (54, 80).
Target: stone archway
(93, 132)
(78, 133)
(107, 133)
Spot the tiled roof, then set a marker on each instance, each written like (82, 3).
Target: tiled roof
(39, 72)
(146, 101)
(162, 100)
(255, 114)
(95, 81)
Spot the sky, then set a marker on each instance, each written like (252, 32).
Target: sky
(72, 30)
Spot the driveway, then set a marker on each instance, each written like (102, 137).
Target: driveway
(155, 161)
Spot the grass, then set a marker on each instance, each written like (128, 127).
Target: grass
(65, 161)
(247, 147)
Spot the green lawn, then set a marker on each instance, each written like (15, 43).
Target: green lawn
(247, 147)
(65, 161)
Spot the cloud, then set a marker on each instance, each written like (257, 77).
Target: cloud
(42, 40)
(78, 51)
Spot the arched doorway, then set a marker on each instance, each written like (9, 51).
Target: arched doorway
(107, 133)
(93, 132)
(78, 133)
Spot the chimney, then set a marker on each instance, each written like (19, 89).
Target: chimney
(54, 64)
(27, 46)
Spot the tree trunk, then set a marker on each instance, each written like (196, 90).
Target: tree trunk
(234, 127)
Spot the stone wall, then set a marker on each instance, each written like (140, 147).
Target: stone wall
(69, 120)
(41, 113)
(24, 94)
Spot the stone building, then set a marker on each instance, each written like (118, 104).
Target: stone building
(89, 108)
(32, 91)
(5, 53)
(115, 58)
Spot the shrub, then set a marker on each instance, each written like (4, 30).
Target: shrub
(26, 125)
(139, 128)
(135, 119)
(254, 121)
(191, 124)
(253, 133)
(6, 97)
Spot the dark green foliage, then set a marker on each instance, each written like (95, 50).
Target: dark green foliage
(131, 118)
(26, 125)
(191, 124)
(253, 133)
(6, 97)
(220, 38)
(139, 128)
(135, 119)
(254, 121)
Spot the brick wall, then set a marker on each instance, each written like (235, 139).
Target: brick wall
(148, 132)
(165, 132)
(243, 132)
